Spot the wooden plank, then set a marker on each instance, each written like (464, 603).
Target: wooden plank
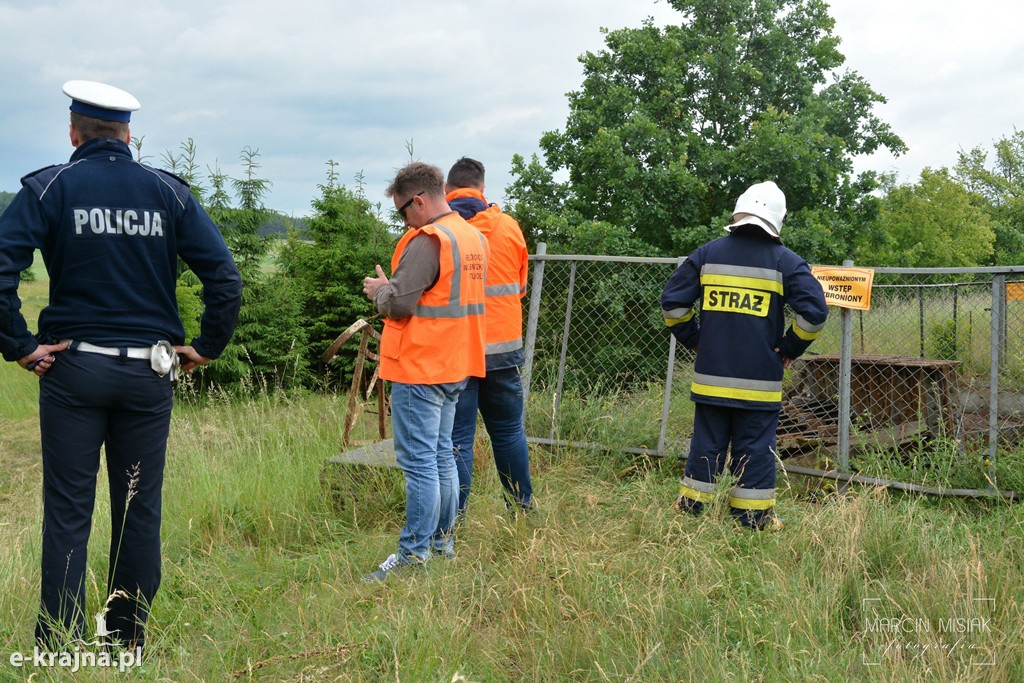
(376, 454)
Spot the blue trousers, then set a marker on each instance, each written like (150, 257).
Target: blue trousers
(499, 399)
(421, 421)
(87, 401)
(751, 434)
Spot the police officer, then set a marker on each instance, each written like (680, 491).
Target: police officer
(742, 283)
(111, 231)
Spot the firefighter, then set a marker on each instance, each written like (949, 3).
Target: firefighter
(742, 283)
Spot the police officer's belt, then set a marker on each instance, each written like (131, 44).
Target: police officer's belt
(161, 356)
(144, 352)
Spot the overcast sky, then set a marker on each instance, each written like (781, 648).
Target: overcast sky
(306, 81)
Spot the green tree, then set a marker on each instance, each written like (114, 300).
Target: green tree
(671, 125)
(999, 188)
(269, 344)
(346, 239)
(933, 223)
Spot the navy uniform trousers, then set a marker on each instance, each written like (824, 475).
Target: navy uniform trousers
(87, 401)
(751, 434)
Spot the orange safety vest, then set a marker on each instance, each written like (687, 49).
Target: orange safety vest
(443, 340)
(507, 270)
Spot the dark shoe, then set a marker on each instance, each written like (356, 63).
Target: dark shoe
(517, 506)
(759, 520)
(689, 506)
(444, 554)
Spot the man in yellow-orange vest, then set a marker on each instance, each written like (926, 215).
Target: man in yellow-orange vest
(498, 396)
(433, 340)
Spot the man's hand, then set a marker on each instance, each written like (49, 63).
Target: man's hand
(41, 360)
(191, 360)
(787, 363)
(372, 284)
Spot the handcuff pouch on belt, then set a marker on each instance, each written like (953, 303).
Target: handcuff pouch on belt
(164, 360)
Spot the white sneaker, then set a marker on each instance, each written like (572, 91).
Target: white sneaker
(389, 566)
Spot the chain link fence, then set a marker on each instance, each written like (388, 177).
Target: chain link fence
(937, 361)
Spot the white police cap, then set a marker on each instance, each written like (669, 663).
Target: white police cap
(101, 101)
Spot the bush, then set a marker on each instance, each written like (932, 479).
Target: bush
(947, 340)
(348, 239)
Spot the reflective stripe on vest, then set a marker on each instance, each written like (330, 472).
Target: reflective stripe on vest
(453, 309)
(736, 387)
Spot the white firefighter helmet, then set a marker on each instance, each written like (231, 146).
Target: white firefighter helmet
(763, 205)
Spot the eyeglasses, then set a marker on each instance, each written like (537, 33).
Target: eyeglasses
(403, 207)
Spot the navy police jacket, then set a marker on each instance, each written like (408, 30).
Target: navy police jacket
(741, 283)
(111, 230)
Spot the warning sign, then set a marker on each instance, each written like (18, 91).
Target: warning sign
(1015, 291)
(845, 287)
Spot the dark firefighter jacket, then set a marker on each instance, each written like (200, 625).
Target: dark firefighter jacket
(742, 283)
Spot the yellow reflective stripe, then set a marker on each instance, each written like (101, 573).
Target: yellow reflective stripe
(808, 327)
(733, 392)
(679, 315)
(751, 503)
(742, 271)
(698, 485)
(693, 494)
(804, 334)
(710, 279)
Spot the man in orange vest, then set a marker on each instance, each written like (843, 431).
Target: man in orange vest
(433, 340)
(499, 395)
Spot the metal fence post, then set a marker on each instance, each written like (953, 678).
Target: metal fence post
(920, 317)
(536, 290)
(845, 362)
(669, 375)
(998, 305)
(565, 348)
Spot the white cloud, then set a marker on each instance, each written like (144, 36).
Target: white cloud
(305, 81)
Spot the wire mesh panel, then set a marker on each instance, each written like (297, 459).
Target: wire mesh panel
(938, 359)
(601, 352)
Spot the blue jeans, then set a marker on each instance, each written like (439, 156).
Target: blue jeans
(421, 421)
(499, 398)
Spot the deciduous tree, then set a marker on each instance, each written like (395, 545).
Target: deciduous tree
(672, 124)
(999, 187)
(930, 224)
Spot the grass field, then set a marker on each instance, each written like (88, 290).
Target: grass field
(604, 582)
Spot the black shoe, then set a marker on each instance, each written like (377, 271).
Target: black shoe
(689, 506)
(759, 520)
